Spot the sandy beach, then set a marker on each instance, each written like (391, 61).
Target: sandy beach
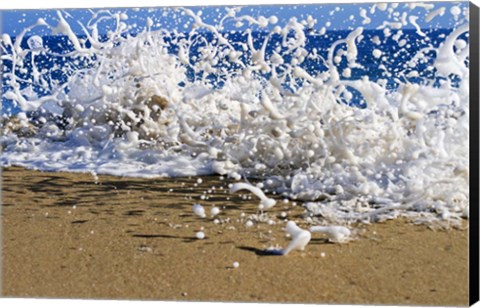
(68, 235)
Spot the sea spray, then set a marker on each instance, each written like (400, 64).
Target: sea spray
(214, 211)
(300, 238)
(336, 234)
(199, 210)
(265, 203)
(200, 235)
(312, 125)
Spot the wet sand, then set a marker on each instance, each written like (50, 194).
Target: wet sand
(67, 235)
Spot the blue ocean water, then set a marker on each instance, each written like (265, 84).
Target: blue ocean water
(394, 58)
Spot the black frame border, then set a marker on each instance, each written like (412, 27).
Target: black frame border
(474, 155)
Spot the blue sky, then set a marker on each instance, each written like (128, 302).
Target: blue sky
(339, 15)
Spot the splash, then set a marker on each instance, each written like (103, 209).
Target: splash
(264, 102)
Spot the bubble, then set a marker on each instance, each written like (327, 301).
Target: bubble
(214, 211)
(273, 20)
(455, 11)
(199, 210)
(200, 235)
(35, 42)
(377, 53)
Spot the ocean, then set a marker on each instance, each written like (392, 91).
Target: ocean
(59, 44)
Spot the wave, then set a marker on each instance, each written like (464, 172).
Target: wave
(309, 124)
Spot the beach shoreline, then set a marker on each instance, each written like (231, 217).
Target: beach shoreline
(74, 235)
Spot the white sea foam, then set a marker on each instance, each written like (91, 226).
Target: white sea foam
(214, 211)
(200, 235)
(129, 108)
(336, 234)
(199, 210)
(265, 202)
(300, 238)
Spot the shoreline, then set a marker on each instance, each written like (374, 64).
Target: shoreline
(70, 235)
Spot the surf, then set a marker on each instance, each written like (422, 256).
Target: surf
(262, 103)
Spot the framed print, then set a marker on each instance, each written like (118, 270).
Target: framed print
(320, 153)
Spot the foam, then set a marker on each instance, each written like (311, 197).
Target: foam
(130, 107)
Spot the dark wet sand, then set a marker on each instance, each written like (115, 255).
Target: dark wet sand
(65, 236)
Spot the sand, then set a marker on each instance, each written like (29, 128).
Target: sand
(68, 235)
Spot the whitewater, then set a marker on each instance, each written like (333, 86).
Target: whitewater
(266, 108)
